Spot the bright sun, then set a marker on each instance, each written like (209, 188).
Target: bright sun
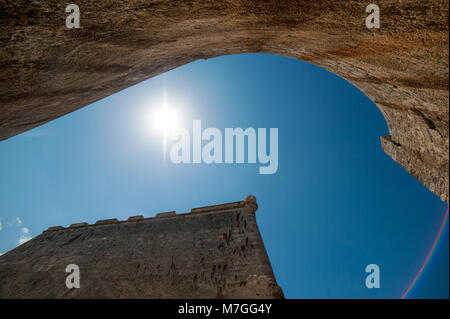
(165, 119)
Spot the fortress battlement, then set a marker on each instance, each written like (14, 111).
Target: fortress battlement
(249, 203)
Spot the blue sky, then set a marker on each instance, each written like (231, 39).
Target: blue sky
(336, 204)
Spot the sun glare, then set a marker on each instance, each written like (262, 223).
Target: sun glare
(165, 119)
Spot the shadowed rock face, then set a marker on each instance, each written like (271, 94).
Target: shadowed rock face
(48, 70)
(212, 252)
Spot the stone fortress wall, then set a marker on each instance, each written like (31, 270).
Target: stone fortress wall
(210, 252)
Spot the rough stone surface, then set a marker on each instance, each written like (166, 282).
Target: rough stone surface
(212, 254)
(48, 70)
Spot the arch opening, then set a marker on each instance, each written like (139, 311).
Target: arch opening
(49, 71)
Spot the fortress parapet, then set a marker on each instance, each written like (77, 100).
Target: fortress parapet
(248, 204)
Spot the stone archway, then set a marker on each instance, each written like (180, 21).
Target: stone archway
(48, 70)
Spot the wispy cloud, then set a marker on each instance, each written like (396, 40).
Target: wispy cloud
(16, 222)
(25, 236)
(23, 239)
(24, 231)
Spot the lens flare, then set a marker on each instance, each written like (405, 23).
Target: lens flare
(435, 244)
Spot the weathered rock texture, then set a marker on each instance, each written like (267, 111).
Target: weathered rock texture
(48, 70)
(211, 252)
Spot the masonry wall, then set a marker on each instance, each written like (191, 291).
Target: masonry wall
(212, 252)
